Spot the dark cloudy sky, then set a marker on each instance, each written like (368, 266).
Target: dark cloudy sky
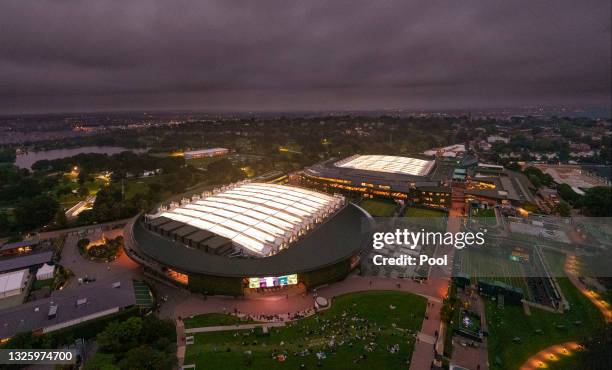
(61, 55)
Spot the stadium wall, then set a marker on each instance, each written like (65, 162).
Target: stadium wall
(215, 285)
(326, 275)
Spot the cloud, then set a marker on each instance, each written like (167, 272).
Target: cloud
(213, 54)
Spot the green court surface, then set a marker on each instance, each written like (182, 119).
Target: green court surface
(144, 297)
(492, 267)
(379, 207)
(423, 213)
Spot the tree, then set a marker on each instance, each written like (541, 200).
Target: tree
(60, 218)
(144, 357)
(118, 336)
(101, 361)
(563, 209)
(137, 343)
(597, 201)
(537, 177)
(223, 171)
(36, 212)
(7, 155)
(83, 191)
(535, 180)
(82, 177)
(568, 194)
(5, 224)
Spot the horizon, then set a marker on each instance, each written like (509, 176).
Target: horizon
(589, 111)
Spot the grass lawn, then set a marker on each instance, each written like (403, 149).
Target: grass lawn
(360, 324)
(511, 321)
(133, 187)
(43, 283)
(423, 213)
(213, 319)
(379, 207)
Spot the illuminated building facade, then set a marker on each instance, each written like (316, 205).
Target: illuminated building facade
(206, 153)
(423, 182)
(250, 236)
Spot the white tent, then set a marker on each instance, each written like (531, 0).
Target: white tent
(13, 283)
(45, 272)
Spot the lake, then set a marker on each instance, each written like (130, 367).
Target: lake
(26, 160)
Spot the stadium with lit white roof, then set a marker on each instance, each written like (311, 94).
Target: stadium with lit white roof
(420, 181)
(250, 236)
(388, 163)
(261, 219)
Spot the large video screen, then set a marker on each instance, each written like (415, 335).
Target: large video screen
(269, 282)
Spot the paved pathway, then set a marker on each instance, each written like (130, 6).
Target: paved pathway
(182, 304)
(208, 329)
(424, 349)
(72, 259)
(180, 343)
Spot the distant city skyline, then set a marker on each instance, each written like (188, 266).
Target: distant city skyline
(320, 55)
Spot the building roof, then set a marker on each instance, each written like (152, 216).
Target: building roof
(200, 235)
(217, 242)
(388, 163)
(159, 221)
(403, 182)
(170, 226)
(338, 238)
(185, 230)
(206, 151)
(32, 259)
(33, 315)
(13, 281)
(259, 217)
(23, 243)
(508, 185)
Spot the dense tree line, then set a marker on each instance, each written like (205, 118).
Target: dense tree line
(537, 177)
(136, 343)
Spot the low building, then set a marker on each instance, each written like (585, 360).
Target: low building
(451, 151)
(29, 260)
(66, 308)
(206, 153)
(495, 184)
(17, 248)
(496, 138)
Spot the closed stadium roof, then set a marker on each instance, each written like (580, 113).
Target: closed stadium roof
(388, 163)
(262, 218)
